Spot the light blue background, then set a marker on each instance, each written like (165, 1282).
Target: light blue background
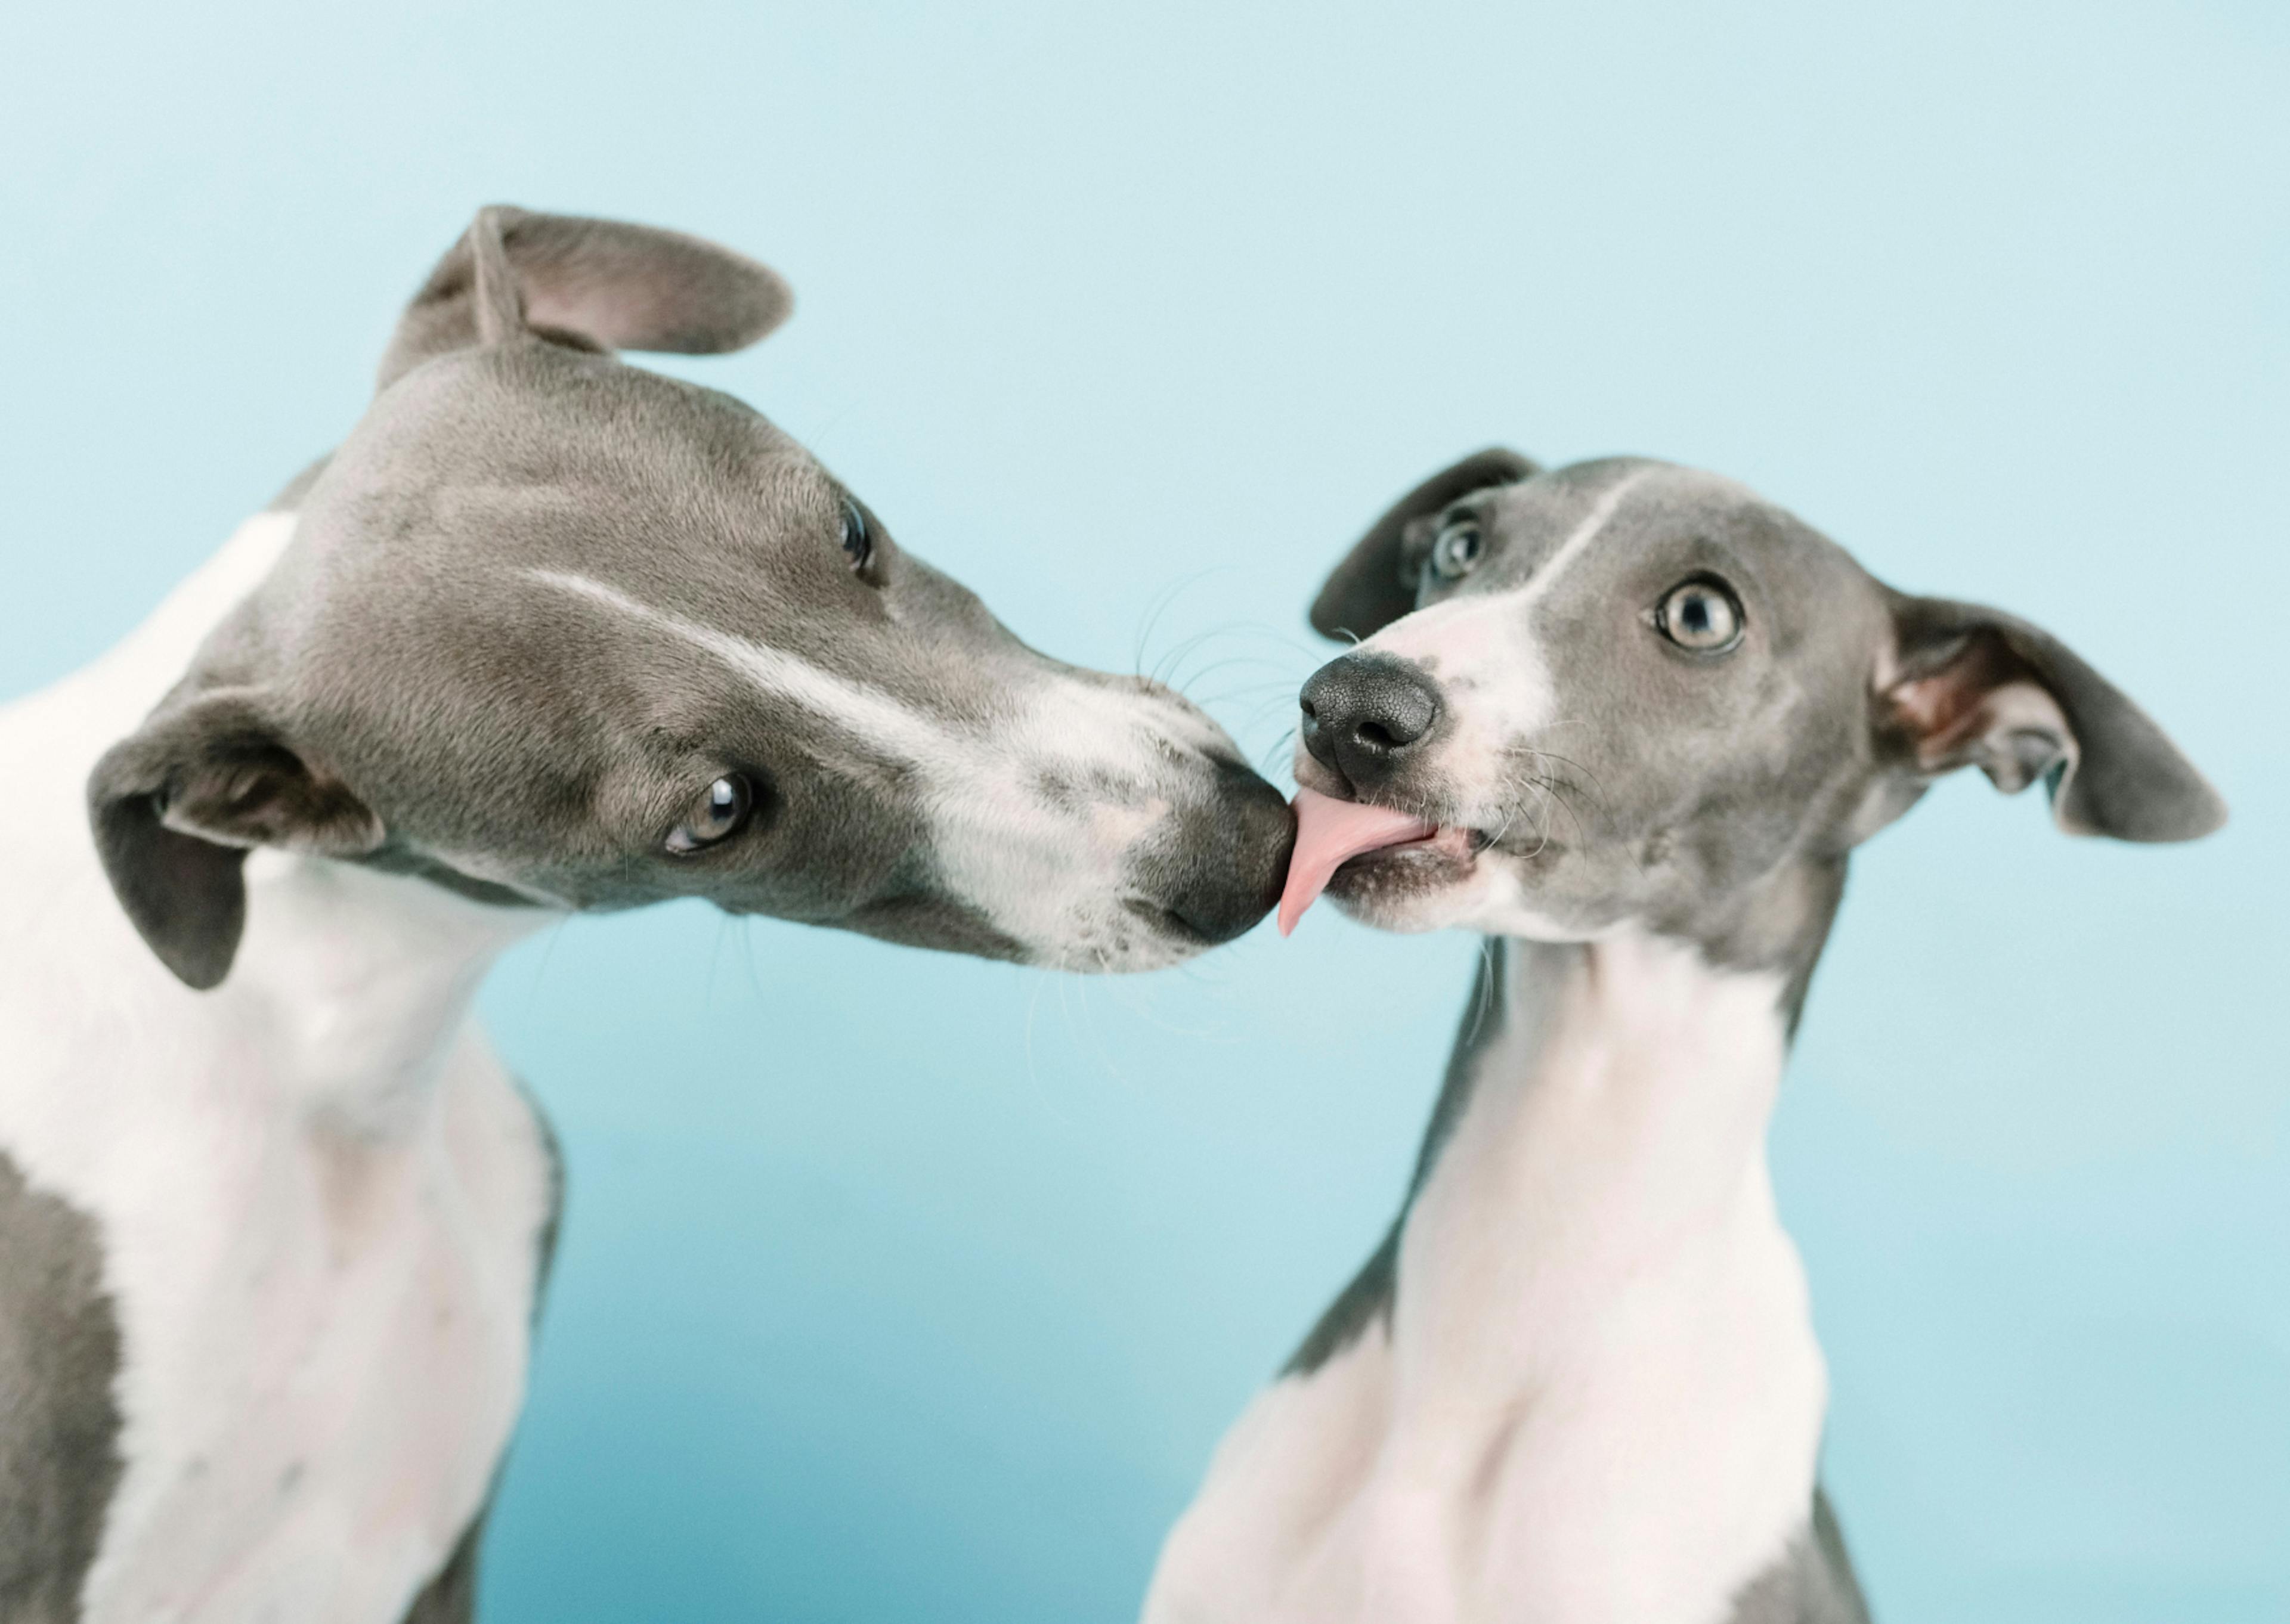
(904, 1287)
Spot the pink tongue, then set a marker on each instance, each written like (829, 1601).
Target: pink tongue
(1329, 834)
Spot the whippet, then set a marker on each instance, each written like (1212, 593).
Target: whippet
(545, 632)
(1629, 720)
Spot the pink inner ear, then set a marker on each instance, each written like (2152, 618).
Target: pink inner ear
(1939, 713)
(2014, 730)
(1947, 711)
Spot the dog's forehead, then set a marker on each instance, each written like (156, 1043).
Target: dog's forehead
(1591, 527)
(539, 454)
(1614, 506)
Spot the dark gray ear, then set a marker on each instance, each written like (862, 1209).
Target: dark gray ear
(1375, 584)
(597, 282)
(1977, 687)
(176, 806)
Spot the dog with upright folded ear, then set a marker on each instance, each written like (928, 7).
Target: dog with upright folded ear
(545, 632)
(234, 759)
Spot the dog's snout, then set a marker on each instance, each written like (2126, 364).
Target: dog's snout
(1236, 858)
(1361, 713)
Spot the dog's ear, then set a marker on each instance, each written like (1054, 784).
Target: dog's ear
(176, 806)
(1969, 686)
(598, 283)
(1375, 584)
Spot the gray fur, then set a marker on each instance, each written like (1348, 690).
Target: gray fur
(595, 283)
(1715, 797)
(60, 1351)
(1377, 581)
(1810, 1583)
(452, 1597)
(408, 688)
(1364, 1301)
(1500, 996)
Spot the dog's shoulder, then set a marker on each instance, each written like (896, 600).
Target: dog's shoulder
(60, 1351)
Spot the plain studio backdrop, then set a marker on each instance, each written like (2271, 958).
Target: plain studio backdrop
(904, 1287)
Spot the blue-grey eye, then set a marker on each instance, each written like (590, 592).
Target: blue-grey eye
(858, 541)
(1456, 550)
(1700, 615)
(716, 816)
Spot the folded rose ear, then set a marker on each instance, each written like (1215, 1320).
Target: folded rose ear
(1375, 584)
(597, 282)
(1969, 686)
(176, 807)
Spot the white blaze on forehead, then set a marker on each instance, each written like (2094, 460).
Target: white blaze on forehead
(864, 711)
(1047, 875)
(1601, 515)
(1494, 681)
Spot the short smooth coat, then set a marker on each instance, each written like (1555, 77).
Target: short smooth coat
(245, 1211)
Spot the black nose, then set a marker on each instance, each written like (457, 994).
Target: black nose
(1363, 712)
(1234, 857)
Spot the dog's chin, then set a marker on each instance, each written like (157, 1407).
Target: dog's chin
(1116, 955)
(1424, 885)
(1135, 936)
(1450, 883)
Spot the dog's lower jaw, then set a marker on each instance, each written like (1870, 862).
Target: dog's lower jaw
(1453, 883)
(1592, 1392)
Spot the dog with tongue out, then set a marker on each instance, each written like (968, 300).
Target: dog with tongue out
(1629, 720)
(1329, 834)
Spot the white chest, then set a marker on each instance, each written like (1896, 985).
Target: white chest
(325, 1342)
(323, 1324)
(1596, 1399)
(319, 1200)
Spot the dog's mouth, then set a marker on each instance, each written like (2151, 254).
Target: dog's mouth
(1339, 838)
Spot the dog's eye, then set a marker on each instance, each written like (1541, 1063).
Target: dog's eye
(858, 541)
(1700, 615)
(1456, 551)
(716, 816)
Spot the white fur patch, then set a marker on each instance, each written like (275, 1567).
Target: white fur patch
(1595, 522)
(318, 1195)
(1600, 1398)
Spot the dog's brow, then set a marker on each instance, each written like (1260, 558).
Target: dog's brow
(879, 721)
(1601, 515)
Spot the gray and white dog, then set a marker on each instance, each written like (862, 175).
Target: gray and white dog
(1629, 720)
(545, 632)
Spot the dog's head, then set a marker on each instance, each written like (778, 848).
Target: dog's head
(554, 631)
(1629, 693)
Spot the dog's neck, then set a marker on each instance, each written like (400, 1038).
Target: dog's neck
(1579, 1380)
(362, 982)
(351, 984)
(1592, 1205)
(1604, 1121)
(1600, 1334)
